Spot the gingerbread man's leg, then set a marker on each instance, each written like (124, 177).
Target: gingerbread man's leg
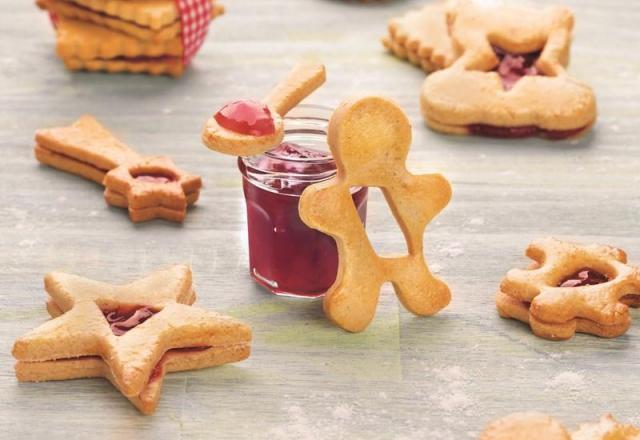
(352, 300)
(418, 290)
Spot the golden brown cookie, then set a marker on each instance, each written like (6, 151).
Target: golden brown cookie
(369, 139)
(525, 426)
(153, 66)
(422, 37)
(536, 426)
(608, 428)
(82, 40)
(571, 288)
(120, 16)
(85, 148)
(153, 188)
(510, 79)
(130, 334)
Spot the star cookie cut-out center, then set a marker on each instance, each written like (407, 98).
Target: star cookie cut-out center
(369, 139)
(571, 288)
(131, 334)
(152, 188)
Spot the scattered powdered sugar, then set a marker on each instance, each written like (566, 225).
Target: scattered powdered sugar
(476, 221)
(343, 412)
(451, 396)
(435, 268)
(572, 381)
(453, 250)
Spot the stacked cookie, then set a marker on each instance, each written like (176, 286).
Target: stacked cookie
(140, 36)
(422, 37)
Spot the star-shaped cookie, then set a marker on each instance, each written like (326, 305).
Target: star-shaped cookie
(130, 334)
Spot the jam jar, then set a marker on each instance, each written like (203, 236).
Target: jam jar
(285, 255)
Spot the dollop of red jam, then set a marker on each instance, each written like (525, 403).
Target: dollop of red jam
(584, 277)
(154, 178)
(122, 320)
(246, 117)
(512, 66)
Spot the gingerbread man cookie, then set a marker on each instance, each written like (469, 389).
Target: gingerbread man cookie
(536, 426)
(131, 334)
(571, 288)
(369, 139)
(510, 78)
(149, 187)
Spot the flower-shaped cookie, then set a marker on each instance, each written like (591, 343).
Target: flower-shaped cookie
(571, 288)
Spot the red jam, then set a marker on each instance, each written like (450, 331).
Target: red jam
(521, 132)
(246, 117)
(122, 320)
(584, 277)
(285, 255)
(512, 66)
(153, 178)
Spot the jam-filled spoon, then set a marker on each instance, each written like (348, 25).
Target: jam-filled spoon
(246, 128)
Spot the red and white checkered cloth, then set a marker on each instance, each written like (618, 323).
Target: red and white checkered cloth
(195, 16)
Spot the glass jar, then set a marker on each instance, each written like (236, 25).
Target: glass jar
(285, 255)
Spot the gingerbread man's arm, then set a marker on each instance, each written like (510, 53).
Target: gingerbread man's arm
(415, 201)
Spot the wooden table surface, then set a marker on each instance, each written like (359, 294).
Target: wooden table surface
(405, 377)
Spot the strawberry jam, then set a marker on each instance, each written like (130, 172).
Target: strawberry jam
(285, 255)
(153, 178)
(512, 66)
(246, 117)
(584, 277)
(121, 320)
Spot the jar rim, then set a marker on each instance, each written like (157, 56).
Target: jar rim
(309, 120)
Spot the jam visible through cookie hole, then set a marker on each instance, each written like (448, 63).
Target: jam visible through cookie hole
(121, 320)
(154, 178)
(246, 117)
(513, 66)
(584, 277)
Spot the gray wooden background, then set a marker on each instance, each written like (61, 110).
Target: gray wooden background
(405, 377)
